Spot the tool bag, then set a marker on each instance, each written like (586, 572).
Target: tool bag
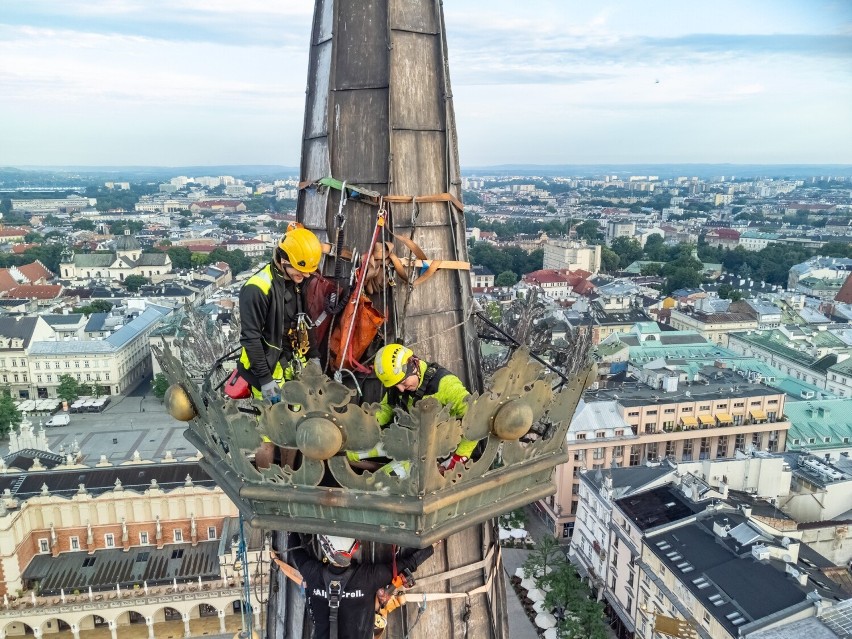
(366, 326)
(236, 387)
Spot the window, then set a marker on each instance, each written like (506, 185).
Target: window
(109, 540)
(43, 546)
(77, 364)
(687, 450)
(668, 426)
(634, 413)
(706, 618)
(88, 562)
(618, 451)
(669, 411)
(739, 404)
(50, 378)
(86, 364)
(177, 554)
(704, 407)
(143, 538)
(619, 433)
(687, 409)
(581, 435)
(178, 535)
(74, 543)
(598, 453)
(651, 412)
(67, 364)
(600, 434)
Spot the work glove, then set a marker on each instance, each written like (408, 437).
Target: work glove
(315, 360)
(450, 462)
(271, 392)
(336, 301)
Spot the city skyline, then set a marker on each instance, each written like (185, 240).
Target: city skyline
(192, 83)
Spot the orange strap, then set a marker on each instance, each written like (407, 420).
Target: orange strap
(287, 570)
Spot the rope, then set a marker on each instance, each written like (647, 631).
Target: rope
(242, 552)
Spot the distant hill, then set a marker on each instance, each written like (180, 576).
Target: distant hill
(72, 175)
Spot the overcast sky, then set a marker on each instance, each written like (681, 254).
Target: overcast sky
(180, 82)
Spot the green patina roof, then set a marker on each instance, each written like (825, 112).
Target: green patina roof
(93, 259)
(808, 422)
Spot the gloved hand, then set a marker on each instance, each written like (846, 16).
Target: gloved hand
(271, 392)
(450, 462)
(315, 360)
(336, 302)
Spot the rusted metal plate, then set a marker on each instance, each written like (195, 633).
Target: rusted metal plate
(413, 16)
(415, 92)
(323, 20)
(316, 107)
(359, 146)
(361, 45)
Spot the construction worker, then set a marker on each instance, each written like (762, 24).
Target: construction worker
(341, 591)
(274, 329)
(408, 379)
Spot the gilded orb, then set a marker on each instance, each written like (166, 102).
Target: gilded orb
(178, 403)
(318, 438)
(513, 420)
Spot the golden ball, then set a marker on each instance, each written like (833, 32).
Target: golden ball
(179, 404)
(513, 420)
(318, 438)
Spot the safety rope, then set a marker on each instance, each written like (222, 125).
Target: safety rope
(246, 608)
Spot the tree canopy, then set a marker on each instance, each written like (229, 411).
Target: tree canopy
(9, 415)
(68, 389)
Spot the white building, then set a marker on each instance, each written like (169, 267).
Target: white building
(561, 255)
(115, 364)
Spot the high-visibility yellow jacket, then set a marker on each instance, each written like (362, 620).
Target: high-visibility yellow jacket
(269, 306)
(439, 383)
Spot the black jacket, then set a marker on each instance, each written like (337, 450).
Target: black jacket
(269, 306)
(356, 615)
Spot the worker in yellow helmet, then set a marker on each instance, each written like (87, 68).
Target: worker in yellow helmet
(408, 379)
(274, 329)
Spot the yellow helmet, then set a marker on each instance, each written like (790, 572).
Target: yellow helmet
(302, 249)
(391, 364)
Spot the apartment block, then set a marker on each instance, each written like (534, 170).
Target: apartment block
(702, 558)
(710, 417)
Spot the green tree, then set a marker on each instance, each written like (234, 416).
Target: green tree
(33, 237)
(98, 306)
(628, 249)
(84, 225)
(655, 248)
(543, 558)
(159, 385)
(236, 260)
(184, 223)
(6, 205)
(651, 269)
(180, 256)
(609, 260)
(590, 231)
(506, 278)
(9, 415)
(199, 259)
(135, 282)
(68, 389)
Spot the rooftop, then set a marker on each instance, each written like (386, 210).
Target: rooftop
(717, 384)
(730, 582)
(657, 507)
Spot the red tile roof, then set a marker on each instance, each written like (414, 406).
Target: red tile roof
(724, 234)
(36, 272)
(7, 282)
(36, 291)
(14, 231)
(17, 249)
(546, 276)
(844, 295)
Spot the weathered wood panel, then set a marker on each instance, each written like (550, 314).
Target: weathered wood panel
(361, 44)
(416, 95)
(413, 16)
